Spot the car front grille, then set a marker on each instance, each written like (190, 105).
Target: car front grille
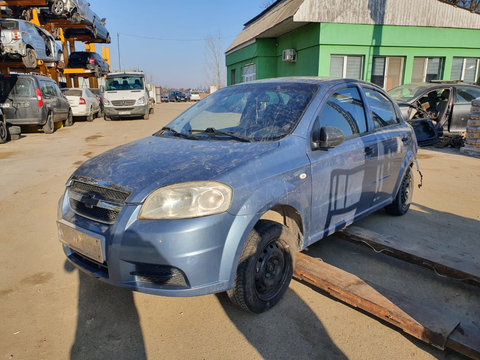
(98, 203)
(123, 102)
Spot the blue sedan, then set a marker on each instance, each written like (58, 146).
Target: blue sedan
(223, 197)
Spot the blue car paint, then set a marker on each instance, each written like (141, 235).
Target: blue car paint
(263, 175)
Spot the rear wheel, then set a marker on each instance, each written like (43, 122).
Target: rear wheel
(402, 201)
(69, 120)
(49, 126)
(265, 268)
(57, 7)
(3, 132)
(30, 59)
(90, 115)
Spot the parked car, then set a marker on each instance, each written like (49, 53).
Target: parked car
(95, 31)
(88, 60)
(193, 96)
(83, 102)
(78, 10)
(23, 40)
(177, 96)
(223, 196)
(165, 98)
(3, 128)
(33, 99)
(99, 93)
(437, 108)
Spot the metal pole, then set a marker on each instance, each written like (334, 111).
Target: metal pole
(118, 46)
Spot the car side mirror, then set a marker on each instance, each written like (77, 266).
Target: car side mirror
(326, 137)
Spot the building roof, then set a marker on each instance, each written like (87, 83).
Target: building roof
(287, 15)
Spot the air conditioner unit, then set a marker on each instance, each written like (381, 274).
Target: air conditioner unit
(289, 55)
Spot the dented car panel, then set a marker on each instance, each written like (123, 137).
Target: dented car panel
(255, 142)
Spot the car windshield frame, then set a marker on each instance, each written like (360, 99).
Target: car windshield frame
(399, 94)
(122, 86)
(253, 112)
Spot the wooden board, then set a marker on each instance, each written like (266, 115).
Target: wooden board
(427, 323)
(445, 264)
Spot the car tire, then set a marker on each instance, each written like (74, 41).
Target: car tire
(265, 267)
(90, 117)
(69, 120)
(402, 201)
(30, 59)
(57, 7)
(106, 118)
(152, 110)
(4, 134)
(49, 126)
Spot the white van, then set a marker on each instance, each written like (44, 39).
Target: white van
(126, 96)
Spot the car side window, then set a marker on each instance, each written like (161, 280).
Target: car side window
(56, 90)
(344, 110)
(383, 111)
(466, 94)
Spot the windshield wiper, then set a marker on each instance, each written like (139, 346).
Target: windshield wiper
(214, 132)
(175, 133)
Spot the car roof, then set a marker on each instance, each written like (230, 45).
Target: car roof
(308, 80)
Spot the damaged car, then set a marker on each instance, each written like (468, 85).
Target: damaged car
(223, 197)
(437, 109)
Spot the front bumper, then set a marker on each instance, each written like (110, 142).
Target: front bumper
(162, 257)
(127, 111)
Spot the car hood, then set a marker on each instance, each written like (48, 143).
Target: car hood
(124, 94)
(154, 162)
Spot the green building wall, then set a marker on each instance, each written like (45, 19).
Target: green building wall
(316, 42)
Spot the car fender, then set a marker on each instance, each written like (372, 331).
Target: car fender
(408, 161)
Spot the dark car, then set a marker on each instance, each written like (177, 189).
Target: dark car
(436, 109)
(88, 60)
(28, 99)
(177, 96)
(100, 96)
(223, 197)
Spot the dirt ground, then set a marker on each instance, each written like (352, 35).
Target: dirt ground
(51, 311)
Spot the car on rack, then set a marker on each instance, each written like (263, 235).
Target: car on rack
(177, 96)
(33, 99)
(83, 103)
(435, 109)
(90, 61)
(22, 40)
(223, 197)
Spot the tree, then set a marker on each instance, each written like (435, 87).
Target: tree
(215, 68)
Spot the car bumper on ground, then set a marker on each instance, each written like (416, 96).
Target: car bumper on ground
(129, 111)
(161, 257)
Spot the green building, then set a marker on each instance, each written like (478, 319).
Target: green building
(388, 42)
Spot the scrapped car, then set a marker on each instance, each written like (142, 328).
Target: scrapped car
(88, 60)
(33, 99)
(223, 197)
(83, 102)
(435, 109)
(23, 40)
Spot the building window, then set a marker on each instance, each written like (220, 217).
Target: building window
(465, 69)
(346, 66)
(249, 73)
(387, 72)
(233, 76)
(427, 69)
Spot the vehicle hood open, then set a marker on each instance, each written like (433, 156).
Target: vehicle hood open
(148, 164)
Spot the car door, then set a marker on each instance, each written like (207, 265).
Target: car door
(62, 104)
(341, 176)
(392, 139)
(36, 41)
(462, 106)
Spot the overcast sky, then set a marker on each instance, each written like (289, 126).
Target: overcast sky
(166, 38)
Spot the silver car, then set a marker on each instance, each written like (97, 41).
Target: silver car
(23, 40)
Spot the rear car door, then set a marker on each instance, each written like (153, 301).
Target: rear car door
(461, 106)
(61, 103)
(340, 175)
(392, 139)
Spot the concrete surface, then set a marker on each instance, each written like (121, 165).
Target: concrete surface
(51, 311)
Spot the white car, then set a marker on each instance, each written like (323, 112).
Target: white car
(83, 102)
(194, 96)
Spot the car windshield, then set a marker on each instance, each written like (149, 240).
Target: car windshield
(249, 112)
(124, 83)
(406, 93)
(15, 86)
(72, 92)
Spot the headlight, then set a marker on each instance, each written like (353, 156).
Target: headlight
(106, 101)
(141, 101)
(187, 200)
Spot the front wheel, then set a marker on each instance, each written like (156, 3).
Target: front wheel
(3, 132)
(402, 201)
(265, 268)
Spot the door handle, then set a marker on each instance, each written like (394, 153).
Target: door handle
(369, 150)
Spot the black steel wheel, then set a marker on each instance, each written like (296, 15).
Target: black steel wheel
(265, 268)
(402, 201)
(57, 7)
(30, 59)
(3, 132)
(49, 126)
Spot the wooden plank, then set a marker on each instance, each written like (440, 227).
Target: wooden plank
(445, 264)
(428, 324)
